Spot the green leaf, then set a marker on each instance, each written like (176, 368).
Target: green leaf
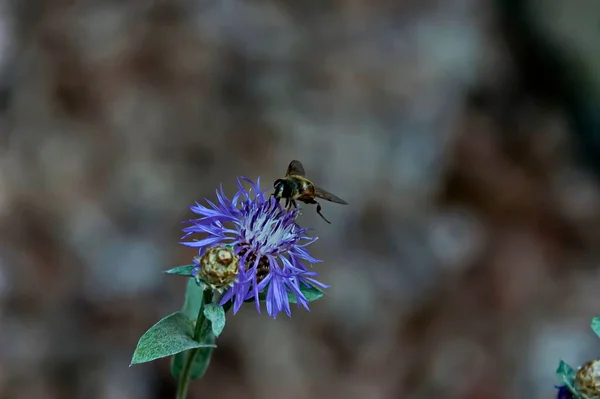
(596, 325)
(311, 293)
(181, 270)
(216, 315)
(193, 300)
(171, 335)
(177, 363)
(566, 375)
(200, 364)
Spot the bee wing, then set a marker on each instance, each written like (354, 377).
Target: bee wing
(326, 195)
(295, 169)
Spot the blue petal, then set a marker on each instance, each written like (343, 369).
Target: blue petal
(242, 189)
(292, 266)
(242, 288)
(227, 296)
(317, 283)
(263, 284)
(271, 300)
(300, 298)
(255, 293)
(202, 228)
(305, 255)
(202, 243)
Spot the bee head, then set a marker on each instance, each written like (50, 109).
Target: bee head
(279, 186)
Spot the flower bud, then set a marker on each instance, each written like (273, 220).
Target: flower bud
(587, 379)
(218, 267)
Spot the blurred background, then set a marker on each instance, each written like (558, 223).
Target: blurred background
(465, 135)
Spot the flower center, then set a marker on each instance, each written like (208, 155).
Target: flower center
(263, 268)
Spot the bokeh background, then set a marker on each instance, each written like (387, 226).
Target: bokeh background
(465, 135)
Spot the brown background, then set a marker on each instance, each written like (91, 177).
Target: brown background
(463, 134)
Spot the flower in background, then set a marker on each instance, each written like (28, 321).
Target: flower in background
(269, 243)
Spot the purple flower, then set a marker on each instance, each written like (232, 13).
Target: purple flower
(270, 244)
(564, 393)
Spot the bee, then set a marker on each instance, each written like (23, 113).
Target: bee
(296, 187)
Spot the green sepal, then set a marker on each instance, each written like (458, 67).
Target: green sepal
(311, 293)
(216, 315)
(566, 375)
(185, 270)
(596, 325)
(171, 335)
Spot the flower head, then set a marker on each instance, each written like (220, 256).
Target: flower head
(269, 243)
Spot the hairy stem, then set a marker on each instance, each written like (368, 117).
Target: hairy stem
(202, 324)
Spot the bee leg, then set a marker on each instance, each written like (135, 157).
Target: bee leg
(296, 207)
(287, 203)
(319, 212)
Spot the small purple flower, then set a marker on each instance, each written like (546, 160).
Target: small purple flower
(563, 392)
(270, 244)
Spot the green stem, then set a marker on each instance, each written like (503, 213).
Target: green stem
(201, 325)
